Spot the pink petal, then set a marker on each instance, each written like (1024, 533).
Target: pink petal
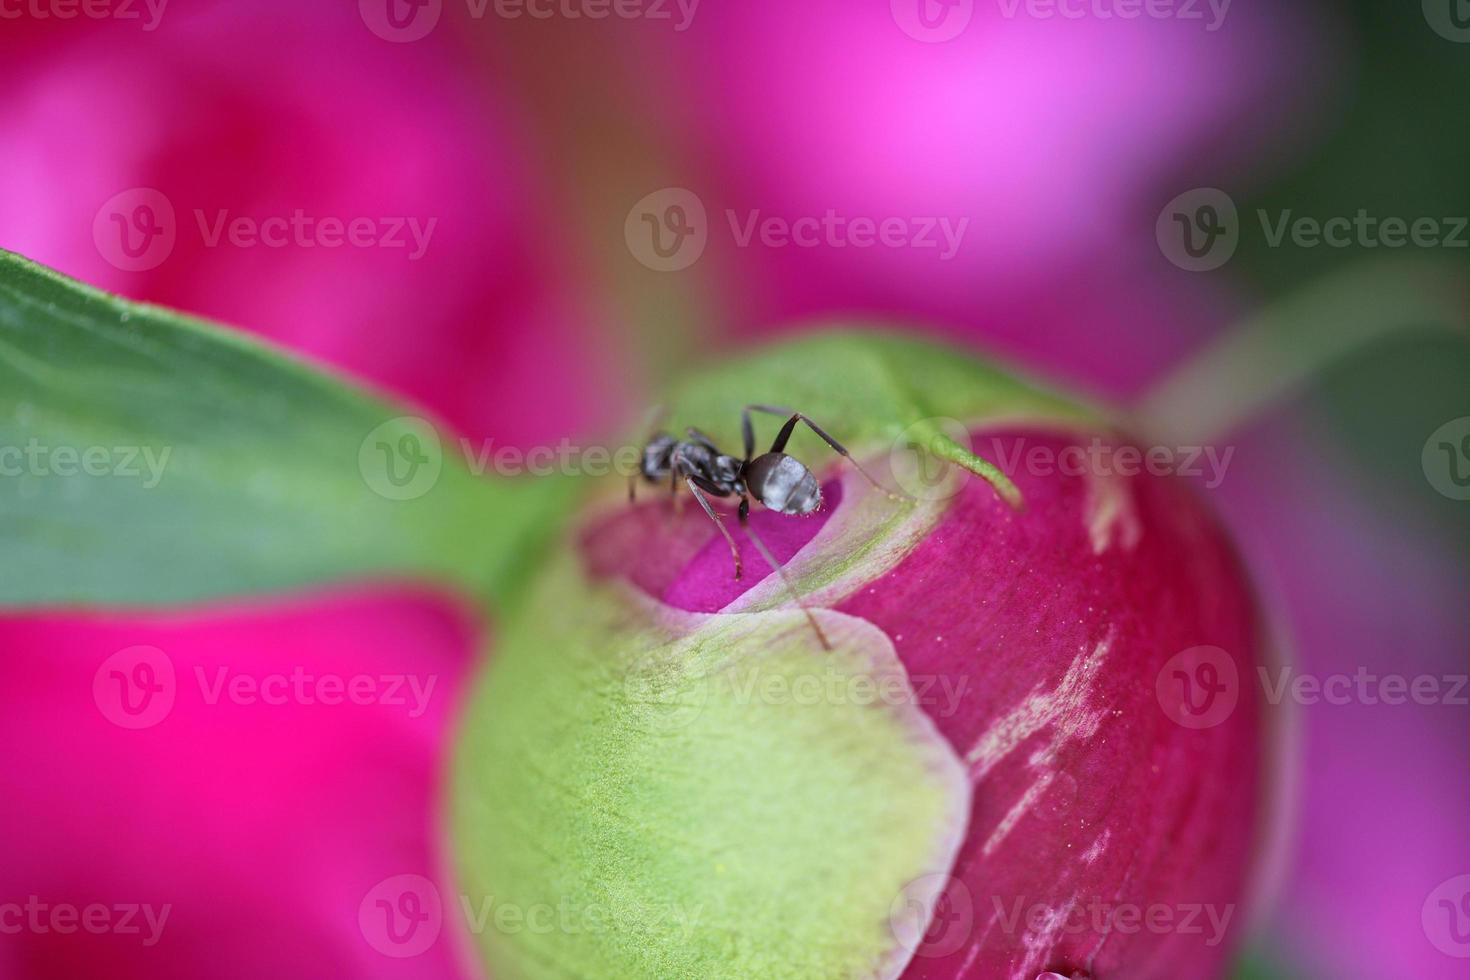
(262, 826)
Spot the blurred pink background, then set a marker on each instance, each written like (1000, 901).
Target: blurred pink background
(528, 317)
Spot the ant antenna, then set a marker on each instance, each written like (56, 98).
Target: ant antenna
(779, 446)
(876, 485)
(781, 571)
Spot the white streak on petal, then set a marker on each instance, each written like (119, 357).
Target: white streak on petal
(1064, 711)
(1063, 707)
(1110, 513)
(1098, 847)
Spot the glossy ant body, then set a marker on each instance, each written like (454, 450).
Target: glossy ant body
(780, 482)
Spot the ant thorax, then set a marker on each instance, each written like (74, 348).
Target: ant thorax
(656, 456)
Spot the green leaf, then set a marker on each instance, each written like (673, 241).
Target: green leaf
(1262, 964)
(647, 793)
(150, 458)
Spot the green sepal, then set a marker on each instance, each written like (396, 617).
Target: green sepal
(658, 792)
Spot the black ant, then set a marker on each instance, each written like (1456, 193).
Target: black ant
(780, 482)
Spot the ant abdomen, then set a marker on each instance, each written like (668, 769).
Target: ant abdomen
(783, 484)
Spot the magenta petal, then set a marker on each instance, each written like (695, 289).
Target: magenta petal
(261, 826)
(676, 555)
(1090, 801)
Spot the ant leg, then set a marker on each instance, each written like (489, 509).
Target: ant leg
(651, 424)
(719, 523)
(702, 439)
(785, 434)
(780, 571)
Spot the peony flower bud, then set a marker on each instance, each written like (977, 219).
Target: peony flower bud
(983, 727)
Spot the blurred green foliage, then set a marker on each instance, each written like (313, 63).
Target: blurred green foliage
(1396, 145)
